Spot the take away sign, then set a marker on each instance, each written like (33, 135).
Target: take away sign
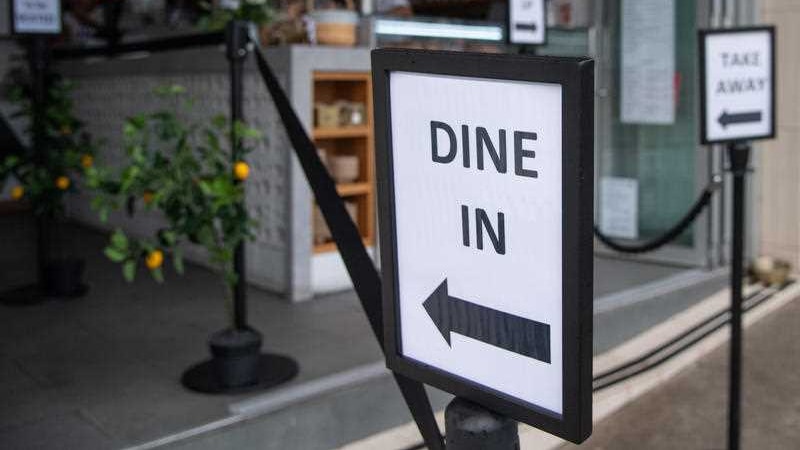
(737, 78)
(485, 167)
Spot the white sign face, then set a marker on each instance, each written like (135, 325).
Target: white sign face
(738, 98)
(619, 202)
(37, 16)
(478, 208)
(527, 22)
(647, 77)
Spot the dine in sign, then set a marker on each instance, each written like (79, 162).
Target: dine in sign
(737, 76)
(485, 166)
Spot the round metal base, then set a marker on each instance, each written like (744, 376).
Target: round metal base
(272, 371)
(29, 295)
(34, 294)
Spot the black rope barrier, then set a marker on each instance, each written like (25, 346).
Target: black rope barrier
(670, 234)
(362, 271)
(150, 45)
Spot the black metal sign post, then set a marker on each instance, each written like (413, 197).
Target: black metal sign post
(466, 305)
(738, 157)
(35, 24)
(470, 426)
(236, 49)
(737, 105)
(38, 62)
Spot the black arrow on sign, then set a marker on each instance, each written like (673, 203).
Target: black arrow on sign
(525, 27)
(513, 333)
(726, 119)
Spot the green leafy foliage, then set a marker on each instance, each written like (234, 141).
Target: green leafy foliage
(66, 151)
(185, 171)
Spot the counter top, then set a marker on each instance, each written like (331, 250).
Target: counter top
(209, 60)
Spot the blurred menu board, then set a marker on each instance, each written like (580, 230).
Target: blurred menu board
(648, 62)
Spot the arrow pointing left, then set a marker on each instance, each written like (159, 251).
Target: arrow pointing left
(525, 27)
(727, 118)
(507, 331)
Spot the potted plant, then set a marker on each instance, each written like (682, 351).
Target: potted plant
(46, 175)
(185, 172)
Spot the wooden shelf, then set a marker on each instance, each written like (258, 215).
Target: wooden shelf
(350, 189)
(342, 76)
(356, 140)
(356, 131)
(330, 246)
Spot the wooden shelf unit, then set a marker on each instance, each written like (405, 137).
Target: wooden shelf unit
(358, 140)
(358, 131)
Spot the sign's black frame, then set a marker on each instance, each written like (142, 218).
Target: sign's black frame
(509, 25)
(12, 23)
(576, 76)
(701, 40)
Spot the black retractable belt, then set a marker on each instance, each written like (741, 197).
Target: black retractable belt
(362, 271)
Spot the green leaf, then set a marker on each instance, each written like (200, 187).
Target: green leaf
(158, 275)
(119, 241)
(129, 270)
(167, 238)
(177, 260)
(114, 254)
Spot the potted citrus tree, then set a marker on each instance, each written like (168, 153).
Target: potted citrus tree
(44, 176)
(185, 171)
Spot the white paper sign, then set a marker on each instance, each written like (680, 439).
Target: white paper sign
(478, 206)
(527, 22)
(648, 62)
(37, 16)
(738, 85)
(619, 202)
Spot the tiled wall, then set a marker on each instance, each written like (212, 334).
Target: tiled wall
(104, 102)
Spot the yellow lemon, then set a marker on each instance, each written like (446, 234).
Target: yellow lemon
(62, 183)
(17, 192)
(147, 197)
(87, 160)
(241, 170)
(154, 259)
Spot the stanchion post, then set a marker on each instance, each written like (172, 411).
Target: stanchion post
(738, 158)
(236, 43)
(37, 64)
(472, 427)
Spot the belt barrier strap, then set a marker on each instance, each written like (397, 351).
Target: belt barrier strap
(362, 271)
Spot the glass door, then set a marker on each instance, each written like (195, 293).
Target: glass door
(649, 166)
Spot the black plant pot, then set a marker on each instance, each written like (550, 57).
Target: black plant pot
(64, 277)
(235, 357)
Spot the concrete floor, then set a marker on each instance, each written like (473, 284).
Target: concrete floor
(697, 398)
(102, 371)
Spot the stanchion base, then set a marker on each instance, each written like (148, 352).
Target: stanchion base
(35, 294)
(272, 371)
(29, 295)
